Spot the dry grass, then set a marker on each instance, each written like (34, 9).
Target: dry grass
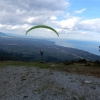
(93, 70)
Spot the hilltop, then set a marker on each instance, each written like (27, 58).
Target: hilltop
(34, 80)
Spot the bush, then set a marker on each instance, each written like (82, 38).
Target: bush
(97, 62)
(82, 61)
(68, 62)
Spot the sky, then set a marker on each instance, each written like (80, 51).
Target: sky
(73, 19)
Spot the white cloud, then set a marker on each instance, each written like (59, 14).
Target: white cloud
(32, 19)
(80, 11)
(53, 18)
(68, 23)
(18, 15)
(90, 25)
(15, 14)
(23, 12)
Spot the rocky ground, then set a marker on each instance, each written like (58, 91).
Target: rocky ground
(33, 83)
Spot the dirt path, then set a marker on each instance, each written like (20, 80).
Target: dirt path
(32, 83)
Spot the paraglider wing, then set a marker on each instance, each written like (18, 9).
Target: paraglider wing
(42, 26)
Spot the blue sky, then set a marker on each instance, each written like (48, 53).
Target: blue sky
(92, 8)
(73, 19)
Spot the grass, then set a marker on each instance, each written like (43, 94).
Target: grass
(80, 68)
(19, 63)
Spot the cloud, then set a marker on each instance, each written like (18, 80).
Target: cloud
(16, 11)
(80, 11)
(90, 25)
(78, 24)
(53, 18)
(69, 23)
(18, 15)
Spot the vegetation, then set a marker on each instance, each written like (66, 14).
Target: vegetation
(73, 67)
(28, 50)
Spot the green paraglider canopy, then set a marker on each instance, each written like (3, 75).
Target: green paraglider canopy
(42, 26)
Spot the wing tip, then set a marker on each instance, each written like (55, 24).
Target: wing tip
(26, 32)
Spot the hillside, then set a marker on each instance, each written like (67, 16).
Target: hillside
(28, 49)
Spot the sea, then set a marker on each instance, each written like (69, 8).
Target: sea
(90, 46)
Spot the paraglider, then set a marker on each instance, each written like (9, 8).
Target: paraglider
(41, 52)
(42, 26)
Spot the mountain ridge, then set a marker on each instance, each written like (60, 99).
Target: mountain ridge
(2, 34)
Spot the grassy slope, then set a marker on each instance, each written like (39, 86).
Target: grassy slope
(92, 70)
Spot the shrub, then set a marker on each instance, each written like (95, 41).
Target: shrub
(68, 62)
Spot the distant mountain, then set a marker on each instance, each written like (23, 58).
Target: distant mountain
(11, 34)
(3, 34)
(14, 35)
